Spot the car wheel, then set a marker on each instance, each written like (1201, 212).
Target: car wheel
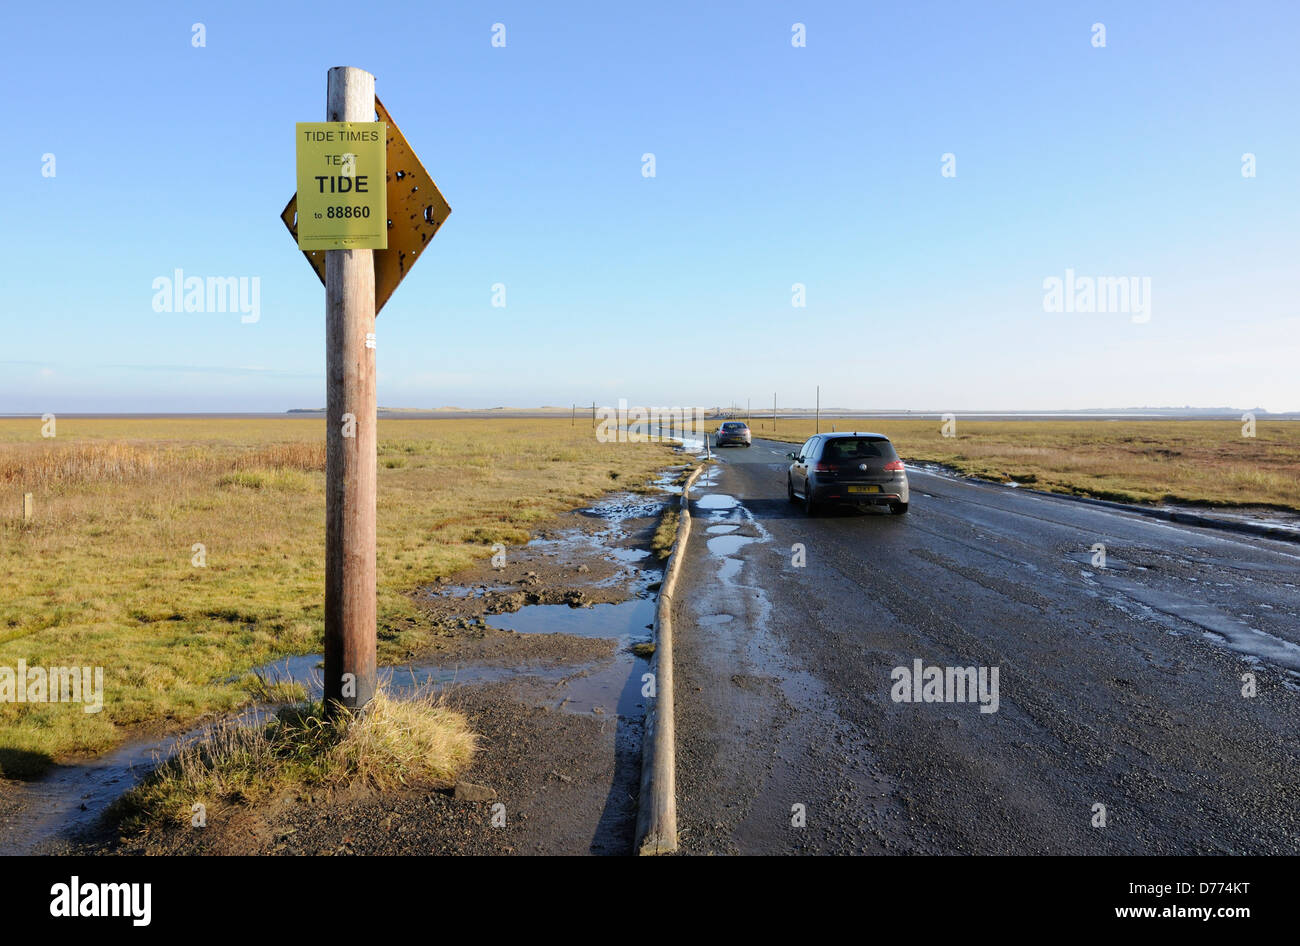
(809, 505)
(898, 508)
(789, 489)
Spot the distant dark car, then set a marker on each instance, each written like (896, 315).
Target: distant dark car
(732, 432)
(853, 469)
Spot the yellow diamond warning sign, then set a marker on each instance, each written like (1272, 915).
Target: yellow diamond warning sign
(416, 210)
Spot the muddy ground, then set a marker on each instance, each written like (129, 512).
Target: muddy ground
(566, 784)
(561, 565)
(559, 767)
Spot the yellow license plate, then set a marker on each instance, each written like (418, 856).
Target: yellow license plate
(864, 489)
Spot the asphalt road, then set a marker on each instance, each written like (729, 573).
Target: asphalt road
(1118, 686)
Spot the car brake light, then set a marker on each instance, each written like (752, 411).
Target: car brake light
(895, 467)
(825, 468)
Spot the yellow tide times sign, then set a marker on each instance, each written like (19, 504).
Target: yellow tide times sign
(342, 194)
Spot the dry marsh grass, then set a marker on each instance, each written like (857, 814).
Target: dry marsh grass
(55, 466)
(104, 574)
(393, 742)
(1146, 461)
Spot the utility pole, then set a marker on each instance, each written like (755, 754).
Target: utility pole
(817, 417)
(350, 439)
(773, 412)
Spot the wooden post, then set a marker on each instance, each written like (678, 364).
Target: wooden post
(593, 413)
(351, 440)
(27, 507)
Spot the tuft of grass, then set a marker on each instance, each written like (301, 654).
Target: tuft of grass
(392, 742)
(263, 690)
(286, 479)
(661, 543)
(643, 649)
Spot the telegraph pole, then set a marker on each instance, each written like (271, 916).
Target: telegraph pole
(361, 258)
(351, 440)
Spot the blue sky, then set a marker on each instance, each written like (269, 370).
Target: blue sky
(775, 165)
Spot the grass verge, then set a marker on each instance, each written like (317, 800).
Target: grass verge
(661, 543)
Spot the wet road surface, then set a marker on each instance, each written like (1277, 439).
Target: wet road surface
(1118, 686)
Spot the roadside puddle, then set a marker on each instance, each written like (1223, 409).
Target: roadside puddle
(731, 527)
(713, 620)
(729, 544)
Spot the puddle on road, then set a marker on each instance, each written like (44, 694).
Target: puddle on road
(729, 544)
(729, 521)
(692, 441)
(729, 569)
(708, 478)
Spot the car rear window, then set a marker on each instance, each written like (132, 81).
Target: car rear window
(858, 448)
(733, 426)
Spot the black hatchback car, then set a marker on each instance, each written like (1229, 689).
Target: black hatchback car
(853, 469)
(732, 432)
